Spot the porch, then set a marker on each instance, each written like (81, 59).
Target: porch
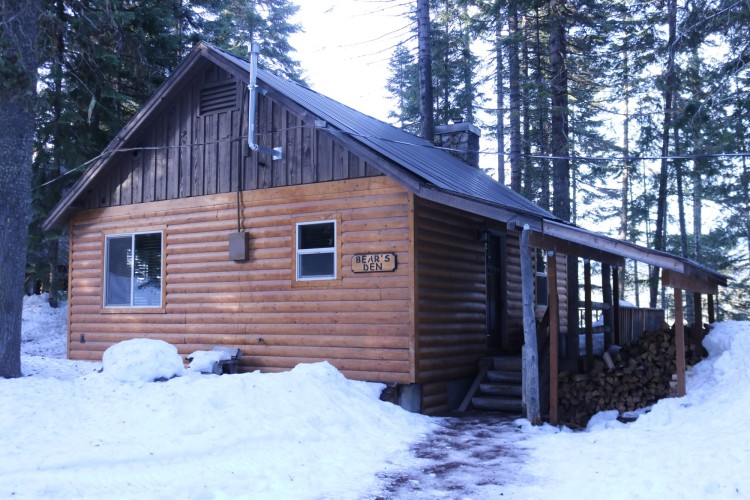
(546, 353)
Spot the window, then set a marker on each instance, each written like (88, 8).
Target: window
(132, 270)
(316, 250)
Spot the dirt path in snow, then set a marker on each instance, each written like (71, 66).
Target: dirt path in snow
(472, 456)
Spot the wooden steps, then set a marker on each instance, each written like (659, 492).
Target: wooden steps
(508, 405)
(498, 386)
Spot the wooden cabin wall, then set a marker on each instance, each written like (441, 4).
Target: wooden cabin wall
(562, 293)
(360, 323)
(185, 152)
(451, 302)
(514, 295)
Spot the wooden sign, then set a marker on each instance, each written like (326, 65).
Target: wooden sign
(374, 262)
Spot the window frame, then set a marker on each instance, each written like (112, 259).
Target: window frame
(105, 274)
(332, 250)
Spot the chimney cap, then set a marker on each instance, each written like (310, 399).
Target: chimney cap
(457, 127)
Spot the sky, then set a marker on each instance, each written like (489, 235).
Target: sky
(345, 49)
(77, 429)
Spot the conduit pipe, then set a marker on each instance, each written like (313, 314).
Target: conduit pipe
(252, 101)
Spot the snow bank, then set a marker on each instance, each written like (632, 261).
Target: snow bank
(311, 433)
(43, 331)
(696, 446)
(308, 433)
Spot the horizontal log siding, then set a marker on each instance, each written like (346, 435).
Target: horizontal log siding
(514, 296)
(562, 292)
(361, 323)
(184, 153)
(451, 322)
(435, 398)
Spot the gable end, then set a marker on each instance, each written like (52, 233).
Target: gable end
(218, 98)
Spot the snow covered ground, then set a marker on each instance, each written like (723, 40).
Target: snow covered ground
(68, 431)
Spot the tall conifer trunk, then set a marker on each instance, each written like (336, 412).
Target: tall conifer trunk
(661, 210)
(18, 65)
(625, 189)
(424, 61)
(500, 86)
(559, 112)
(53, 241)
(542, 113)
(514, 81)
(529, 175)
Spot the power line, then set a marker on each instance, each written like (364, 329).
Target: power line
(411, 144)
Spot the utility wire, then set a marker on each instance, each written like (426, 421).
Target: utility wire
(411, 144)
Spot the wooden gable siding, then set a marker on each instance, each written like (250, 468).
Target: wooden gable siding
(360, 323)
(451, 303)
(183, 153)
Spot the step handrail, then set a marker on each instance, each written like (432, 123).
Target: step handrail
(484, 366)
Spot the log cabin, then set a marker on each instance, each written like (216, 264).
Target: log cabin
(241, 209)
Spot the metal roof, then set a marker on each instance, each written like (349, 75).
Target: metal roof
(421, 158)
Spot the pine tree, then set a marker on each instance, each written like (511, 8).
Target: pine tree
(403, 85)
(452, 92)
(233, 24)
(559, 131)
(424, 63)
(18, 68)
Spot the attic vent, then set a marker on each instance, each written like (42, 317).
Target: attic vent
(218, 98)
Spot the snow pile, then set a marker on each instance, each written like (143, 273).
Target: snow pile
(307, 433)
(204, 361)
(142, 360)
(43, 331)
(696, 446)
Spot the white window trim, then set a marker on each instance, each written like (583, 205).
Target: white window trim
(327, 250)
(132, 272)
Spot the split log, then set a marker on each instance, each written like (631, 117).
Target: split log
(639, 375)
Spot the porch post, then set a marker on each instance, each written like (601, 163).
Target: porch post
(554, 327)
(530, 353)
(587, 313)
(679, 340)
(616, 305)
(711, 311)
(607, 299)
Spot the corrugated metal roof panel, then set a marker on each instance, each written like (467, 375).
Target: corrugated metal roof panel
(432, 165)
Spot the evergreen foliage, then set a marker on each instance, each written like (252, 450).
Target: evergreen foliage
(631, 93)
(100, 60)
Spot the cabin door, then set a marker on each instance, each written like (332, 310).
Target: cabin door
(497, 340)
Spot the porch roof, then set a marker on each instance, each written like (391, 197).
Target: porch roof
(678, 272)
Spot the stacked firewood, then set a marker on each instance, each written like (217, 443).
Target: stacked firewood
(636, 376)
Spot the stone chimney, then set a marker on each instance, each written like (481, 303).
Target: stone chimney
(462, 139)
